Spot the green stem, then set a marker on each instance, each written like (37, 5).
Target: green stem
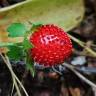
(7, 44)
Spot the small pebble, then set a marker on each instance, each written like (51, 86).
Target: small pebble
(80, 60)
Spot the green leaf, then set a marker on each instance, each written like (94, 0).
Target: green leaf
(30, 65)
(15, 52)
(16, 30)
(27, 44)
(35, 25)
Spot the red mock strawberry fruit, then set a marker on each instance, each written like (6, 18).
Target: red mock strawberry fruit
(51, 45)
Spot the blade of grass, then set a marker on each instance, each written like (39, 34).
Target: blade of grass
(79, 75)
(6, 60)
(14, 81)
(12, 89)
(82, 44)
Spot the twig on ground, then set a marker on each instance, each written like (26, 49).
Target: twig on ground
(7, 62)
(79, 75)
(83, 45)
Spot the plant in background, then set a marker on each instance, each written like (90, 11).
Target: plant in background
(46, 45)
(47, 49)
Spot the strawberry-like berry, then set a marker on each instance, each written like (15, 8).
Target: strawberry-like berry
(51, 45)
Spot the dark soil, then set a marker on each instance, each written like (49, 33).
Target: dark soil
(47, 82)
